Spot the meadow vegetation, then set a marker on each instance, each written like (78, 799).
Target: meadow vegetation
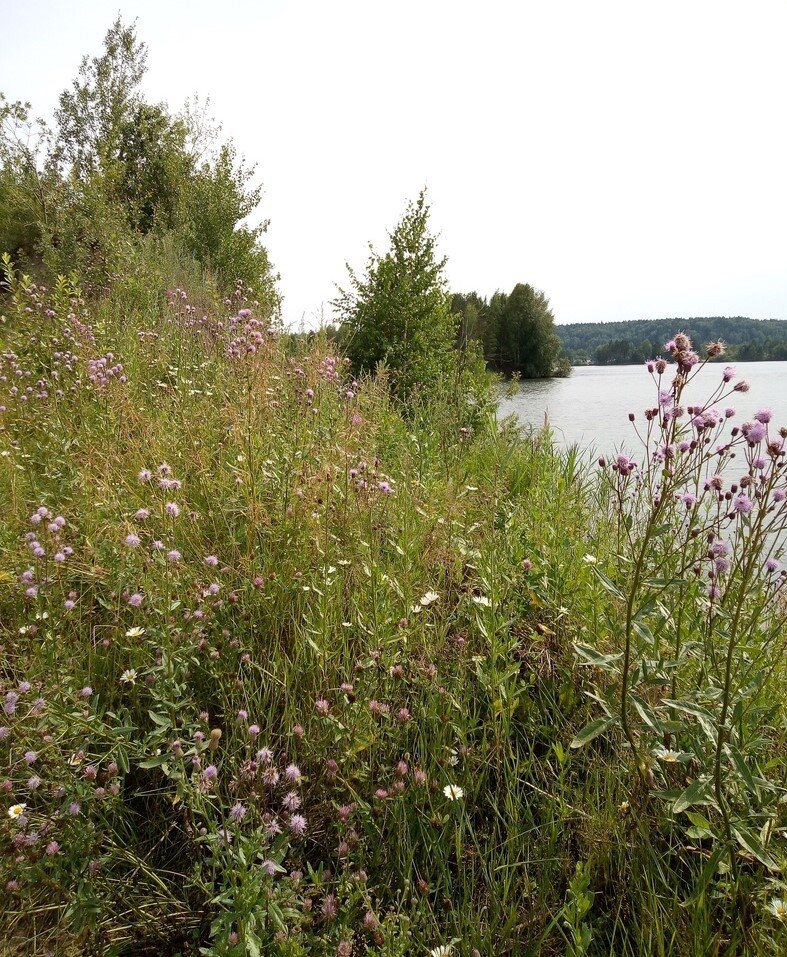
(306, 653)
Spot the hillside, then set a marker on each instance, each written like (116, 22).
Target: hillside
(609, 343)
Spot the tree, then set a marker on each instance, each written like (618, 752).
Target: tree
(399, 312)
(100, 102)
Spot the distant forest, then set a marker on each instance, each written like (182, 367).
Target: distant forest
(626, 343)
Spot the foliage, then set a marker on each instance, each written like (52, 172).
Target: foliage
(636, 341)
(118, 168)
(286, 673)
(517, 331)
(397, 314)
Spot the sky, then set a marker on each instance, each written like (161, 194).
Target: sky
(627, 158)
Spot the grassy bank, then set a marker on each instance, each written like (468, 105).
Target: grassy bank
(288, 672)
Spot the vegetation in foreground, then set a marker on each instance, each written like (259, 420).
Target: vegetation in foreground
(287, 672)
(305, 657)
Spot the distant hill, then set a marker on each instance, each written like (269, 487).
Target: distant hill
(622, 343)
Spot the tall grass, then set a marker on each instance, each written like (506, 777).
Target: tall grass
(286, 671)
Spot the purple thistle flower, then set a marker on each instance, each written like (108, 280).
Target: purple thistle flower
(141, 514)
(297, 824)
(133, 541)
(52, 848)
(742, 504)
(74, 808)
(237, 812)
(293, 773)
(270, 867)
(211, 560)
(173, 509)
(291, 801)
(254, 730)
(763, 415)
(86, 692)
(31, 757)
(135, 600)
(772, 565)
(173, 555)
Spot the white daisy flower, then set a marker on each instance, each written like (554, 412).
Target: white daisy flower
(16, 810)
(429, 598)
(453, 792)
(129, 676)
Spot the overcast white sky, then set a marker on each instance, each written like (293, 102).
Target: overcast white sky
(628, 158)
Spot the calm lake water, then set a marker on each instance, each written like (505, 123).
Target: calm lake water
(591, 407)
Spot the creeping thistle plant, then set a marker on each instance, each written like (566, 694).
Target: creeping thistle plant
(696, 608)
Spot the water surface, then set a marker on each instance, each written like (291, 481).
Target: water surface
(590, 408)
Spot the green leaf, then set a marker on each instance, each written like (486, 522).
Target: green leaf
(608, 585)
(742, 769)
(596, 658)
(749, 841)
(698, 792)
(592, 730)
(646, 714)
(643, 631)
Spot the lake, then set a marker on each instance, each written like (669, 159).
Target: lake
(590, 408)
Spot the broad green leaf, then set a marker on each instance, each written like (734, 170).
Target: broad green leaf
(698, 792)
(750, 842)
(609, 585)
(594, 657)
(592, 730)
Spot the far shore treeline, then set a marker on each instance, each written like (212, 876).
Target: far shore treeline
(635, 341)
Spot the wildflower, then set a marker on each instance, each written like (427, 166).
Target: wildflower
(778, 908)
(34, 783)
(141, 514)
(772, 565)
(298, 824)
(482, 600)
(74, 808)
(16, 811)
(742, 504)
(590, 559)
(211, 560)
(764, 415)
(254, 730)
(237, 812)
(291, 801)
(31, 757)
(173, 509)
(133, 541)
(322, 707)
(129, 676)
(444, 950)
(429, 599)
(135, 632)
(86, 692)
(667, 755)
(52, 848)
(293, 773)
(173, 555)
(210, 773)
(135, 600)
(453, 792)
(270, 867)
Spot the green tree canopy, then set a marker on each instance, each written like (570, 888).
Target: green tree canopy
(398, 313)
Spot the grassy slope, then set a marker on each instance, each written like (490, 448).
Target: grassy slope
(320, 574)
